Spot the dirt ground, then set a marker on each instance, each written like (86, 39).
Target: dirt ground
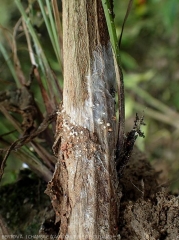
(148, 211)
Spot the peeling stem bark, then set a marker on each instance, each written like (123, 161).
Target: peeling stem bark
(84, 190)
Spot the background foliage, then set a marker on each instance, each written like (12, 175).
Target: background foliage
(149, 56)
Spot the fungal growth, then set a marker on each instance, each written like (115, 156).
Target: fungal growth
(99, 106)
(85, 147)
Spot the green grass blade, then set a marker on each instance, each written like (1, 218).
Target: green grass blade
(10, 64)
(54, 31)
(47, 23)
(111, 28)
(48, 77)
(40, 51)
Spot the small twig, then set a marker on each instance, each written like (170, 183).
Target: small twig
(124, 21)
(125, 155)
(137, 188)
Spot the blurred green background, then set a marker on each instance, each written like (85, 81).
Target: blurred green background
(150, 60)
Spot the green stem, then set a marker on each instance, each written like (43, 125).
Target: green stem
(108, 11)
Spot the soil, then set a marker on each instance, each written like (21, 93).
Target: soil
(148, 211)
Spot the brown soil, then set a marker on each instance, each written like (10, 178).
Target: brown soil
(147, 211)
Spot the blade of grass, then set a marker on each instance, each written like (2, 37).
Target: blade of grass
(157, 115)
(34, 163)
(54, 31)
(44, 155)
(59, 29)
(10, 118)
(29, 158)
(42, 60)
(33, 34)
(153, 101)
(48, 26)
(31, 52)
(17, 64)
(9, 63)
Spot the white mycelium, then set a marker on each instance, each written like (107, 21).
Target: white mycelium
(100, 84)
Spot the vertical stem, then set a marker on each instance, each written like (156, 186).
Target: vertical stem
(84, 189)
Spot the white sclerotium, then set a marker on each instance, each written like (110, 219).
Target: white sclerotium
(100, 121)
(58, 112)
(100, 81)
